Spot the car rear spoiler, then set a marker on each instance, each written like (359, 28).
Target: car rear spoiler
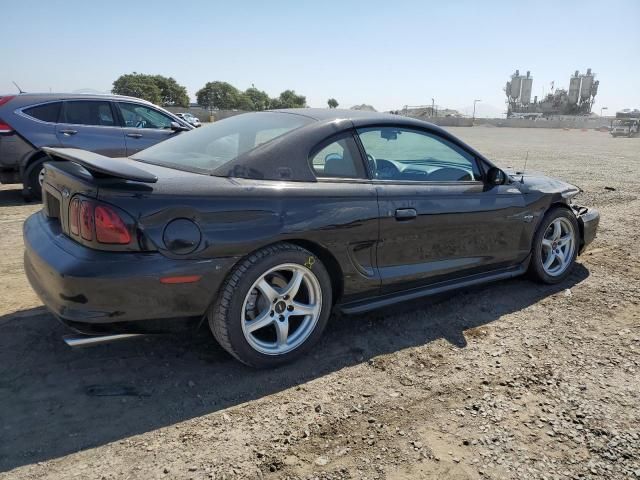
(103, 166)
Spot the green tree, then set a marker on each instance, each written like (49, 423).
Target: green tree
(289, 99)
(245, 103)
(218, 95)
(173, 94)
(138, 85)
(333, 103)
(156, 89)
(259, 99)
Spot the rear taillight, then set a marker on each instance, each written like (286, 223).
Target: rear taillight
(74, 216)
(95, 221)
(5, 127)
(86, 220)
(6, 99)
(109, 226)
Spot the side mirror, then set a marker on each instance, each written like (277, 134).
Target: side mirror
(176, 127)
(495, 176)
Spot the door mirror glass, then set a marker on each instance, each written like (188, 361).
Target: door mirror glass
(495, 176)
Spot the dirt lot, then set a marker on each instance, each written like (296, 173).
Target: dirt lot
(510, 380)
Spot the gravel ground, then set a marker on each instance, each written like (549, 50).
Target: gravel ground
(509, 380)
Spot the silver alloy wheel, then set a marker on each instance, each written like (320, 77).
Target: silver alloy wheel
(41, 176)
(558, 246)
(281, 309)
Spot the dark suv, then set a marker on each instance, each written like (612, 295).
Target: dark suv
(111, 125)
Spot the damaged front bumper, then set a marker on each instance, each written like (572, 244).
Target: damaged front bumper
(588, 221)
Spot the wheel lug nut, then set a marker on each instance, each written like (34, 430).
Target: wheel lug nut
(286, 297)
(272, 313)
(281, 318)
(290, 308)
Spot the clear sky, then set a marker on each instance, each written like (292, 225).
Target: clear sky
(384, 53)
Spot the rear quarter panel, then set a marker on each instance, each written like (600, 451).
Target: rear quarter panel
(239, 216)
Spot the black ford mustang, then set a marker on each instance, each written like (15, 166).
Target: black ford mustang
(265, 222)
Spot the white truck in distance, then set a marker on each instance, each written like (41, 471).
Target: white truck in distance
(627, 123)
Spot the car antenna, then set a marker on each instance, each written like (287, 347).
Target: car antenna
(525, 167)
(18, 87)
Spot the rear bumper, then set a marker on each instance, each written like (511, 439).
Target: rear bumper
(85, 286)
(588, 219)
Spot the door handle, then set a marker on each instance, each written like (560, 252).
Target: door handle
(68, 132)
(406, 214)
(134, 135)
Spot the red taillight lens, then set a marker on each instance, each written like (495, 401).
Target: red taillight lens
(109, 226)
(6, 99)
(5, 127)
(74, 214)
(86, 220)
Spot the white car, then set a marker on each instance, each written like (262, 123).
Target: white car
(191, 119)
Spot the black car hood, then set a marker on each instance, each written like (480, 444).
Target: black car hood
(535, 182)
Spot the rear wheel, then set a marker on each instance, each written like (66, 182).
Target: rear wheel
(34, 177)
(555, 246)
(273, 307)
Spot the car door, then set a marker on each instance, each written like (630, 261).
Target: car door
(348, 199)
(438, 219)
(144, 126)
(91, 125)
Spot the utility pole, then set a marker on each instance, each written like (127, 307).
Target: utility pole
(473, 118)
(603, 108)
(433, 105)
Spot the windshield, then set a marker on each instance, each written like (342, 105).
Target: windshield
(211, 146)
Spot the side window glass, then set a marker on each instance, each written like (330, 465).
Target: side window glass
(339, 158)
(139, 116)
(407, 155)
(49, 112)
(88, 112)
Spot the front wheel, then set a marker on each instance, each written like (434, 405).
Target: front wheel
(273, 306)
(555, 246)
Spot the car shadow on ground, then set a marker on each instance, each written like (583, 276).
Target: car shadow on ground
(12, 198)
(55, 401)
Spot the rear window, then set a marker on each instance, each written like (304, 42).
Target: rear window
(49, 112)
(212, 146)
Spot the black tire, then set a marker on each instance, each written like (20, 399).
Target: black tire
(225, 315)
(536, 268)
(32, 187)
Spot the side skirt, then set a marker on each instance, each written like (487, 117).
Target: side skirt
(362, 306)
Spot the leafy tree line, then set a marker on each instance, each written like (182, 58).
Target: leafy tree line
(214, 95)
(224, 96)
(153, 88)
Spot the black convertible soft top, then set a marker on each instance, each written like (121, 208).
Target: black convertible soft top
(286, 158)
